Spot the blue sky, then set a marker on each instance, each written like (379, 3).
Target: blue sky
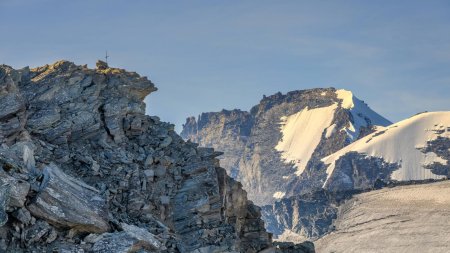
(208, 55)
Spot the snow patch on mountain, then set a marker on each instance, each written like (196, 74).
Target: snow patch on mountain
(302, 133)
(330, 130)
(347, 98)
(400, 143)
(290, 236)
(279, 195)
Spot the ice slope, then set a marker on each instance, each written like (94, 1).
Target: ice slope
(400, 143)
(303, 130)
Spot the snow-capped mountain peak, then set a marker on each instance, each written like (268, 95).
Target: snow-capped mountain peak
(275, 147)
(302, 131)
(361, 113)
(347, 98)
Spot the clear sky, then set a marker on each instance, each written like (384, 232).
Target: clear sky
(208, 55)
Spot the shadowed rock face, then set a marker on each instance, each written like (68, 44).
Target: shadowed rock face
(304, 217)
(441, 147)
(308, 216)
(91, 171)
(359, 172)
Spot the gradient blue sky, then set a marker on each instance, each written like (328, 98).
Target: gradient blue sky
(208, 55)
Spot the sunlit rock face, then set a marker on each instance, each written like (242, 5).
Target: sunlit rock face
(83, 169)
(227, 131)
(275, 149)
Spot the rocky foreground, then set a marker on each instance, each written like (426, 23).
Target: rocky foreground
(85, 170)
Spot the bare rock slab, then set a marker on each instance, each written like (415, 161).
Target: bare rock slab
(68, 202)
(131, 239)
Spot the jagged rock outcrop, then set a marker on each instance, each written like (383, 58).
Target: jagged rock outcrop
(358, 171)
(304, 217)
(275, 149)
(83, 169)
(226, 131)
(441, 147)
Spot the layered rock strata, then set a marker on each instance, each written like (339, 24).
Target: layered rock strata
(83, 169)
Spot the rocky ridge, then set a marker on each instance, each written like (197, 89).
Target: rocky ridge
(85, 170)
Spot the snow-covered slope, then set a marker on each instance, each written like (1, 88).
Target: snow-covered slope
(302, 131)
(405, 144)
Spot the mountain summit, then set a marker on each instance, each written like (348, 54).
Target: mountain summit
(275, 149)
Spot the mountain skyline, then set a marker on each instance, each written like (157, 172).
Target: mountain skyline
(205, 56)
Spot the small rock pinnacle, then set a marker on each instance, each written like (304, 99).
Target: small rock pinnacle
(101, 65)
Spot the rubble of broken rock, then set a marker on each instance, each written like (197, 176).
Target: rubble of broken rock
(83, 169)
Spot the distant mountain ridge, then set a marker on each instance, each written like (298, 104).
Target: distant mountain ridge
(415, 150)
(300, 155)
(275, 150)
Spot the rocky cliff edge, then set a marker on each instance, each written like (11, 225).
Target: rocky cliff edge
(85, 170)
